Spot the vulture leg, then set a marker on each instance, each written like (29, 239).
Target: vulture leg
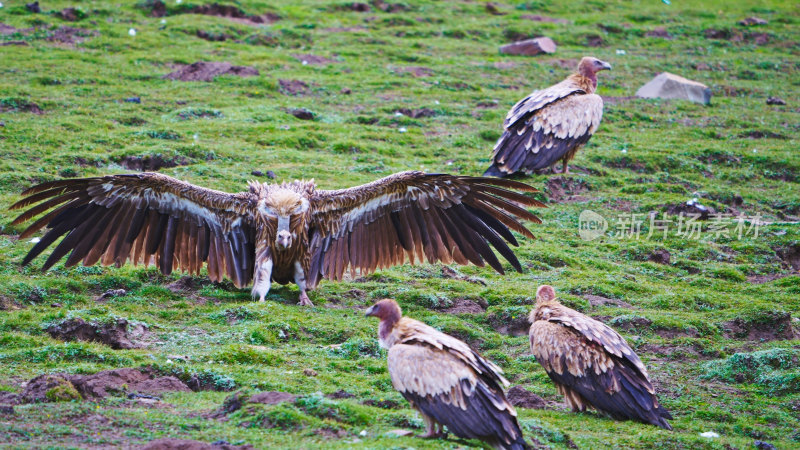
(433, 429)
(300, 281)
(262, 279)
(565, 167)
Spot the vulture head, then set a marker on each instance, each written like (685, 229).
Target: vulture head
(545, 293)
(589, 66)
(386, 309)
(282, 203)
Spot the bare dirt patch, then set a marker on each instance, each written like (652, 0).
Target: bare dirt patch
(417, 113)
(152, 163)
(523, 398)
(186, 444)
(207, 71)
(293, 87)
(566, 189)
(761, 279)
(778, 328)
(53, 387)
(384, 404)
(690, 208)
(314, 60)
(597, 300)
(790, 255)
(416, 71)
(237, 400)
(660, 256)
(341, 393)
(513, 326)
(659, 32)
(466, 306)
(114, 334)
(234, 13)
(19, 105)
(538, 18)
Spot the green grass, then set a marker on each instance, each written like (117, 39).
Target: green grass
(646, 156)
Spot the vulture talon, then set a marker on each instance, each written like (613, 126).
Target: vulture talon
(304, 300)
(550, 125)
(284, 233)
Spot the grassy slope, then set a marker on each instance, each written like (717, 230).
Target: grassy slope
(356, 138)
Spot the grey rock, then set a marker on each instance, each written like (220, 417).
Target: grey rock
(668, 85)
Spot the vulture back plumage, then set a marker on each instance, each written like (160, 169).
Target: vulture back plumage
(446, 381)
(551, 124)
(591, 364)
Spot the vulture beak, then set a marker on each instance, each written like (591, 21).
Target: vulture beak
(369, 311)
(605, 66)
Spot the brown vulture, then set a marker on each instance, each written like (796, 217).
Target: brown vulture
(551, 124)
(290, 232)
(446, 381)
(591, 364)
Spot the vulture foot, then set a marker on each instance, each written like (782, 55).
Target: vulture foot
(432, 435)
(304, 301)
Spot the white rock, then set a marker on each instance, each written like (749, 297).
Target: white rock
(132, 32)
(163, 21)
(621, 52)
(363, 433)
(402, 129)
(669, 85)
(35, 240)
(709, 434)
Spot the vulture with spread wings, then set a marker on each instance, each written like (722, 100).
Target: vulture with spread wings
(446, 381)
(289, 232)
(591, 364)
(551, 124)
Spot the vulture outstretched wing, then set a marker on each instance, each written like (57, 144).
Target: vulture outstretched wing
(593, 366)
(147, 218)
(542, 128)
(431, 217)
(455, 386)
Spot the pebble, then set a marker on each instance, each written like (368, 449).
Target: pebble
(709, 434)
(132, 32)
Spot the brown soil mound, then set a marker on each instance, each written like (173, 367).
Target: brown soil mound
(185, 444)
(114, 334)
(523, 398)
(207, 71)
(102, 384)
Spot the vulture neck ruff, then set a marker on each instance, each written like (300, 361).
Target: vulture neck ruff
(386, 327)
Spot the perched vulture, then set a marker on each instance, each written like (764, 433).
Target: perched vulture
(446, 381)
(591, 364)
(551, 124)
(290, 232)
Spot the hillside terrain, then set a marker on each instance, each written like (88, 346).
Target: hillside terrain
(345, 93)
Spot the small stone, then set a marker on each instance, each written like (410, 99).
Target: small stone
(257, 173)
(750, 21)
(530, 47)
(301, 113)
(709, 434)
(776, 101)
(346, 91)
(133, 100)
(270, 174)
(55, 305)
(33, 7)
(132, 32)
(399, 433)
(309, 372)
(491, 8)
(763, 445)
(9, 410)
(668, 86)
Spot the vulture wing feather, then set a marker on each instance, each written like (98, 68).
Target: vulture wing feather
(431, 209)
(119, 217)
